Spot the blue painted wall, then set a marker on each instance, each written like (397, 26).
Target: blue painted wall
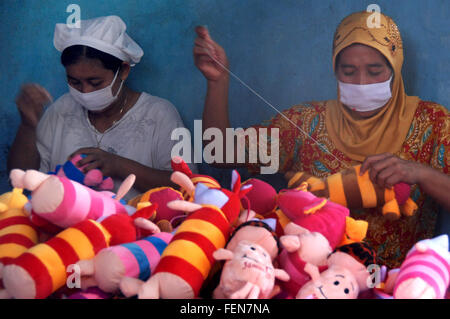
(280, 48)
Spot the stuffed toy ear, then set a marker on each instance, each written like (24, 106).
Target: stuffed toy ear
(223, 254)
(179, 165)
(183, 181)
(125, 186)
(245, 189)
(16, 176)
(146, 225)
(290, 242)
(183, 205)
(235, 182)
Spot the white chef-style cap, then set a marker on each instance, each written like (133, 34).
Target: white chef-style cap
(106, 34)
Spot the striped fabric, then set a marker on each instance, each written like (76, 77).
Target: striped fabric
(349, 189)
(432, 266)
(47, 263)
(79, 203)
(190, 253)
(17, 234)
(140, 258)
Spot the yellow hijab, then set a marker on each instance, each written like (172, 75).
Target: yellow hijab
(387, 130)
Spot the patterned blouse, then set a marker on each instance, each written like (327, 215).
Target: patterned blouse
(427, 142)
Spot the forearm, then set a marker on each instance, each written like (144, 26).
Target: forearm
(146, 177)
(24, 153)
(435, 184)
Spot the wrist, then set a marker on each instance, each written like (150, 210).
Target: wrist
(221, 82)
(423, 174)
(27, 127)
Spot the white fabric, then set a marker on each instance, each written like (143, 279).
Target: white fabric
(106, 34)
(142, 134)
(365, 97)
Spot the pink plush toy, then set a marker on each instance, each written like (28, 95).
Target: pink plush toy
(314, 213)
(93, 178)
(301, 247)
(64, 203)
(347, 274)
(425, 272)
(336, 282)
(317, 227)
(136, 260)
(249, 272)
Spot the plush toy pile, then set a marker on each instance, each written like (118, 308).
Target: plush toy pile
(73, 238)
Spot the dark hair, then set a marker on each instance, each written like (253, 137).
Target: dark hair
(75, 53)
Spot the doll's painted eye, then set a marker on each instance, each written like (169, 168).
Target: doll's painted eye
(336, 283)
(252, 248)
(346, 291)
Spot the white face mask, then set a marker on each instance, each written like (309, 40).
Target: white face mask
(365, 97)
(96, 100)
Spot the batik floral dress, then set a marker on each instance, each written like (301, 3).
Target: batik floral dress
(427, 142)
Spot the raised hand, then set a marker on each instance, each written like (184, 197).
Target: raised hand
(30, 102)
(206, 53)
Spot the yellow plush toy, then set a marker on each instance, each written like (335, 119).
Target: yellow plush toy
(350, 189)
(17, 233)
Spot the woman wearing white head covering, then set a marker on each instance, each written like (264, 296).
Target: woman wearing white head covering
(119, 130)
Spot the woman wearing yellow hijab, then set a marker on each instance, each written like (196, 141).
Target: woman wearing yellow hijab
(397, 138)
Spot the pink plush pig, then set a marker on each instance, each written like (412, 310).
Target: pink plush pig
(248, 272)
(337, 282)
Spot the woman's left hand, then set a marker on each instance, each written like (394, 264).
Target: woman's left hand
(99, 159)
(386, 170)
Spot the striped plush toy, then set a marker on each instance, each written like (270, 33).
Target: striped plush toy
(350, 189)
(187, 260)
(425, 272)
(42, 269)
(136, 260)
(17, 233)
(64, 202)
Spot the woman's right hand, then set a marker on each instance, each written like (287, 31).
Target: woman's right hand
(30, 102)
(204, 48)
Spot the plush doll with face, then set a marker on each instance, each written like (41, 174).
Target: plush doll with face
(248, 271)
(347, 275)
